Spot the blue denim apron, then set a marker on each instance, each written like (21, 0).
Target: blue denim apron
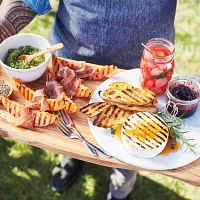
(111, 31)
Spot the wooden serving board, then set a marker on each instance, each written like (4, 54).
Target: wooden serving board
(50, 138)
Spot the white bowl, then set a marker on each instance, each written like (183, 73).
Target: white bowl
(16, 41)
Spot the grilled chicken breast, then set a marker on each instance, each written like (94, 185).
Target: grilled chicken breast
(144, 134)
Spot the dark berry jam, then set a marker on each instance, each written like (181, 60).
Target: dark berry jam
(183, 92)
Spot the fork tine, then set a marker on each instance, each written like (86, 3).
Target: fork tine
(63, 130)
(66, 127)
(68, 132)
(66, 116)
(62, 117)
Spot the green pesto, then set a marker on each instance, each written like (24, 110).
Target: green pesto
(13, 54)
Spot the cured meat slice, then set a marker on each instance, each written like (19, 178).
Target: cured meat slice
(92, 71)
(40, 97)
(71, 88)
(27, 117)
(26, 121)
(54, 90)
(82, 69)
(65, 75)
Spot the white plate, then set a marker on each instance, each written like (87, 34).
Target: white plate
(112, 145)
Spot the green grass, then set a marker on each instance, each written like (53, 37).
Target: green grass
(25, 170)
(187, 26)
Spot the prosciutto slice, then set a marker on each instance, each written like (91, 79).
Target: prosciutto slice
(40, 97)
(26, 120)
(72, 86)
(65, 75)
(33, 105)
(81, 69)
(66, 78)
(54, 90)
(69, 79)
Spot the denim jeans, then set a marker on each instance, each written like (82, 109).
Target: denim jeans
(121, 182)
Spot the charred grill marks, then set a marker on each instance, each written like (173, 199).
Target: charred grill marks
(149, 129)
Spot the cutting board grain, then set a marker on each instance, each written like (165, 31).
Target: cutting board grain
(50, 138)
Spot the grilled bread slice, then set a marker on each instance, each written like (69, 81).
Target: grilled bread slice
(105, 115)
(151, 108)
(124, 93)
(144, 134)
(93, 109)
(111, 116)
(146, 108)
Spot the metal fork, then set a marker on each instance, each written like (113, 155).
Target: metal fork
(67, 126)
(72, 135)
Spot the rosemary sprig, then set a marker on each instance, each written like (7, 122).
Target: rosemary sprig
(174, 124)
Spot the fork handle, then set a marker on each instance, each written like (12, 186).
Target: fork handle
(91, 145)
(92, 150)
(98, 149)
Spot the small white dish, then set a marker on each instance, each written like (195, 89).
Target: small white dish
(6, 86)
(16, 41)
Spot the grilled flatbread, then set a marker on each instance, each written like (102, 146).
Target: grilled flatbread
(144, 134)
(146, 108)
(124, 93)
(105, 115)
(93, 109)
(151, 108)
(111, 116)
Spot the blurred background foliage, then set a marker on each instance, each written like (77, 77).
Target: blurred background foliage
(25, 170)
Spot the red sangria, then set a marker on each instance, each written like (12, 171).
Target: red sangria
(157, 65)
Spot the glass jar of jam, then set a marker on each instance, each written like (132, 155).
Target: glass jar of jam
(157, 65)
(184, 93)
